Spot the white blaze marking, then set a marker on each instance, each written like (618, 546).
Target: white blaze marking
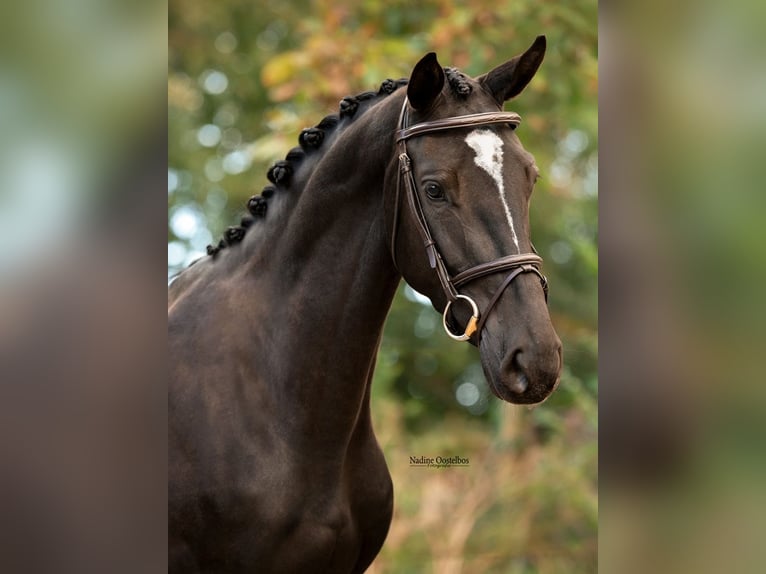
(489, 157)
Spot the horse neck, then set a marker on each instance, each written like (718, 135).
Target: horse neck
(335, 280)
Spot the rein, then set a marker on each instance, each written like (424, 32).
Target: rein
(518, 264)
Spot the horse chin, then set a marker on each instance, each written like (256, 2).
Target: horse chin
(511, 384)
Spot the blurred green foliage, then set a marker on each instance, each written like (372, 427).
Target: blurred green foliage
(245, 78)
(684, 120)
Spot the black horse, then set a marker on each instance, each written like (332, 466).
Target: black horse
(274, 466)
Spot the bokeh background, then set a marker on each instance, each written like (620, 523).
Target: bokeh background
(683, 267)
(244, 79)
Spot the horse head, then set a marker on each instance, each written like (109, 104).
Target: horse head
(460, 186)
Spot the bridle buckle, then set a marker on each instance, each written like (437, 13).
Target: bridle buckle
(405, 163)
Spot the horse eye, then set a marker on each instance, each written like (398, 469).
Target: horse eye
(434, 191)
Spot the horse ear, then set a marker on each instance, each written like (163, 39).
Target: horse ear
(509, 79)
(426, 82)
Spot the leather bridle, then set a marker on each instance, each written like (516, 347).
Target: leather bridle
(518, 264)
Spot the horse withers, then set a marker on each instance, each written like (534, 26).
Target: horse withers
(273, 463)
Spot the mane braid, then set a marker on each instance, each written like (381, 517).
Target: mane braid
(458, 82)
(280, 174)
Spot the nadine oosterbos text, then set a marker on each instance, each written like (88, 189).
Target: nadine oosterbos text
(439, 461)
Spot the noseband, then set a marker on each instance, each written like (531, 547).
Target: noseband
(517, 264)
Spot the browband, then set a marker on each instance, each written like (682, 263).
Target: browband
(471, 120)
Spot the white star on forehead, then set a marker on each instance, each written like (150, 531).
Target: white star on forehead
(489, 157)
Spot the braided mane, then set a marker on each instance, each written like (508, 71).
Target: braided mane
(458, 82)
(310, 140)
(280, 174)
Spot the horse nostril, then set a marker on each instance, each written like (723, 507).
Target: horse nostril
(518, 383)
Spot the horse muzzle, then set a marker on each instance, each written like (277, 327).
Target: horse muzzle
(524, 374)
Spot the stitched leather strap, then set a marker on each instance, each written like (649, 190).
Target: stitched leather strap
(501, 264)
(508, 280)
(471, 120)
